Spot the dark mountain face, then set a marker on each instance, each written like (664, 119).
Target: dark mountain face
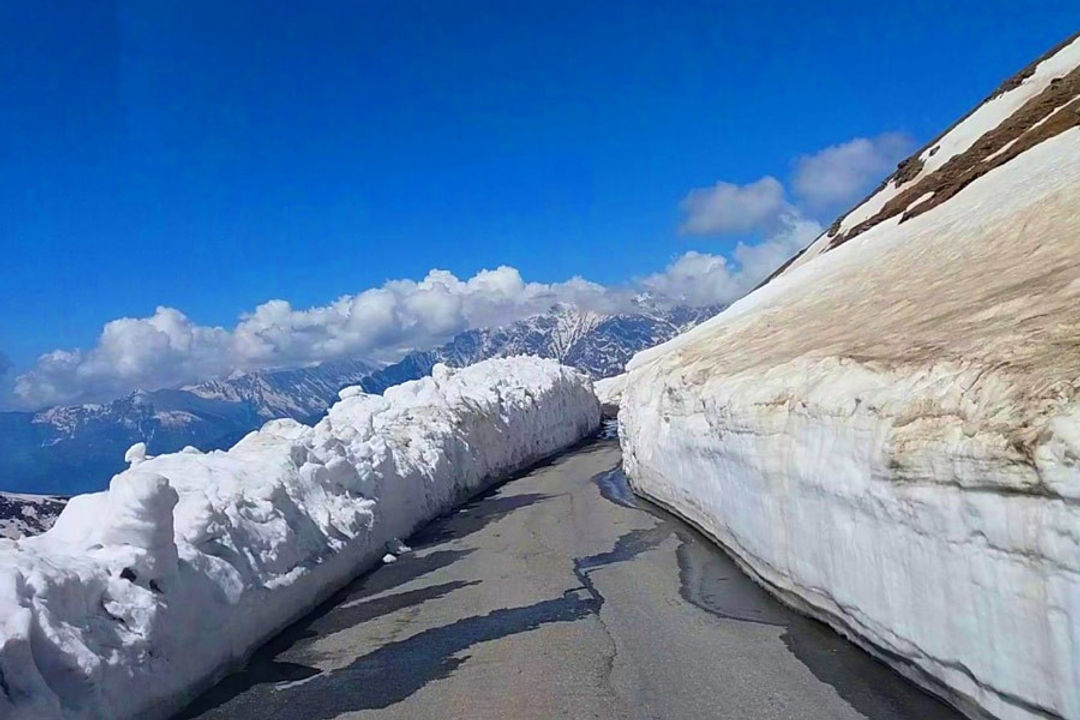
(73, 449)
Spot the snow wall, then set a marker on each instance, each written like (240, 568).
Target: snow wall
(143, 595)
(609, 392)
(888, 437)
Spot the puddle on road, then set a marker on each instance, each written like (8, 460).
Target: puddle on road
(710, 579)
(274, 685)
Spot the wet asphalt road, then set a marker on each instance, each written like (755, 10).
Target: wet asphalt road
(560, 595)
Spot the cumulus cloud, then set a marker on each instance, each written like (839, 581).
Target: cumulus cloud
(760, 207)
(729, 208)
(163, 349)
(695, 278)
(698, 278)
(841, 174)
(756, 261)
(168, 349)
(836, 175)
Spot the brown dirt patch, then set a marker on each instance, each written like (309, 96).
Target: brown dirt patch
(909, 168)
(1054, 110)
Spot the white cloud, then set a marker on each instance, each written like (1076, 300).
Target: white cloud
(841, 174)
(694, 279)
(699, 278)
(163, 349)
(821, 181)
(729, 208)
(168, 349)
(793, 233)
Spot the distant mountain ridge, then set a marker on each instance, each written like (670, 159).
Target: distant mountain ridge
(71, 449)
(600, 345)
(76, 448)
(299, 393)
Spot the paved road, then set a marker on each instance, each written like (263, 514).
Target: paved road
(561, 596)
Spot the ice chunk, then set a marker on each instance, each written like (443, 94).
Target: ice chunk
(136, 454)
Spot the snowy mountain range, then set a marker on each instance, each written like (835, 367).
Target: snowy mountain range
(597, 344)
(76, 448)
(71, 449)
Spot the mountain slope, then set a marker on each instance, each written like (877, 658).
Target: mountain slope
(25, 515)
(886, 433)
(599, 345)
(71, 449)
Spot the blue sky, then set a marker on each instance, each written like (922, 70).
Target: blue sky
(211, 156)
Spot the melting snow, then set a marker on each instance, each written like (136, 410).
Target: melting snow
(142, 595)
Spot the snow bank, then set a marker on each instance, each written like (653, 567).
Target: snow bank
(609, 392)
(143, 595)
(888, 437)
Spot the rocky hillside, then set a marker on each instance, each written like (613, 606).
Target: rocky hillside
(888, 432)
(25, 515)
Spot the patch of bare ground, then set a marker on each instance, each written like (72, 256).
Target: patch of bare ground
(979, 163)
(1048, 114)
(1016, 80)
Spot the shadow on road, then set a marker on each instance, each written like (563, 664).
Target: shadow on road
(398, 669)
(712, 581)
(265, 668)
(472, 516)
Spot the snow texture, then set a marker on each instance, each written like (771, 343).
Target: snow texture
(957, 139)
(609, 391)
(143, 595)
(888, 436)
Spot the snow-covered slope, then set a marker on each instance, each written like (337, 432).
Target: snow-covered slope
(1030, 107)
(597, 344)
(300, 393)
(26, 515)
(888, 432)
(142, 595)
